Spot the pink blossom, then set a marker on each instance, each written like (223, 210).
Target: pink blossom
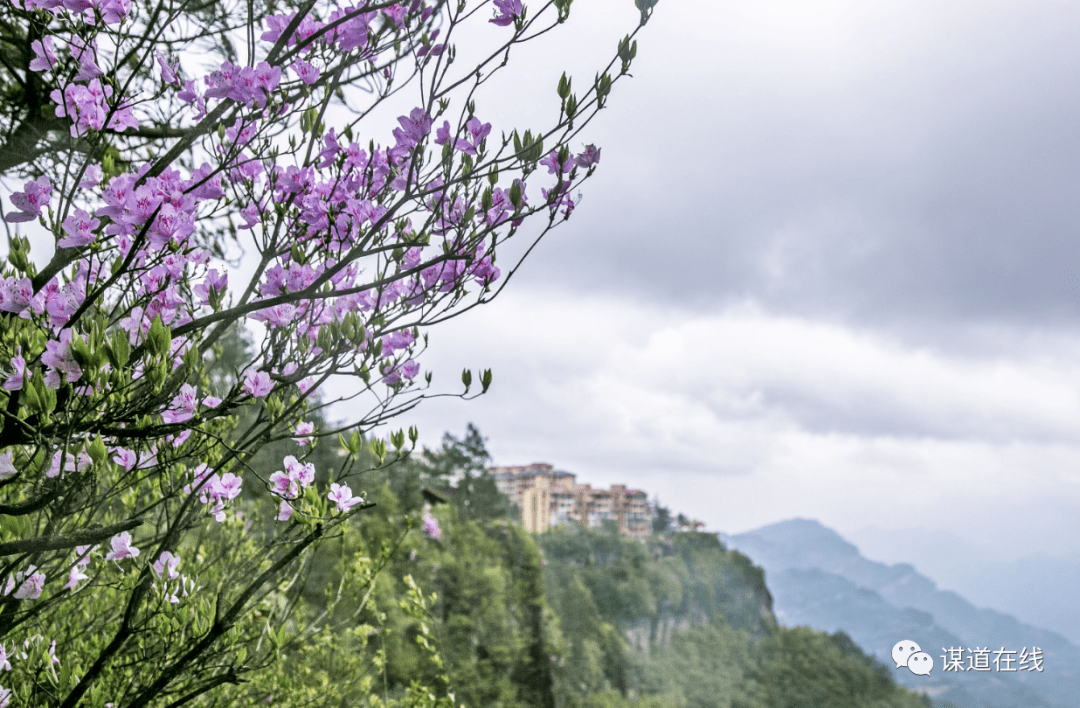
(168, 72)
(75, 576)
(182, 407)
(305, 71)
(79, 228)
(65, 461)
(166, 565)
(114, 11)
(246, 85)
(507, 12)
(296, 477)
(283, 485)
(125, 458)
(257, 383)
(475, 133)
(554, 166)
(396, 14)
(413, 128)
(215, 284)
(121, 547)
(590, 157)
(18, 365)
(15, 295)
(30, 201)
(284, 512)
(83, 552)
(60, 361)
(91, 177)
(44, 54)
(27, 585)
(342, 495)
(303, 430)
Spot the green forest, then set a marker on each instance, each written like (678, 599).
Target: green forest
(437, 597)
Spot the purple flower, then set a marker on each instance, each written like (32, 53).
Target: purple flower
(60, 361)
(590, 157)
(507, 12)
(257, 383)
(413, 128)
(18, 365)
(27, 585)
(297, 476)
(305, 71)
(121, 547)
(75, 576)
(168, 73)
(182, 406)
(83, 552)
(342, 495)
(284, 512)
(165, 566)
(113, 11)
(91, 177)
(15, 295)
(30, 201)
(477, 131)
(303, 430)
(125, 458)
(44, 54)
(554, 166)
(62, 459)
(79, 228)
(431, 528)
(216, 283)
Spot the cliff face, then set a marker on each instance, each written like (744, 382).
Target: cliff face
(617, 598)
(723, 586)
(682, 621)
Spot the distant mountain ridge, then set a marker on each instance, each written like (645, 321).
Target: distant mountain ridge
(819, 579)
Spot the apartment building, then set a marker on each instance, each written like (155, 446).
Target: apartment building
(547, 497)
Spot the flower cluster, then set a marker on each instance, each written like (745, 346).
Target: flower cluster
(125, 397)
(165, 569)
(291, 482)
(214, 489)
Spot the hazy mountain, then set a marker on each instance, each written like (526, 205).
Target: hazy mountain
(819, 579)
(1031, 588)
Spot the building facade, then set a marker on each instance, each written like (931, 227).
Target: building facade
(547, 497)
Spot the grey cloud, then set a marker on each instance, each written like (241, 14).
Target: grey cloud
(937, 182)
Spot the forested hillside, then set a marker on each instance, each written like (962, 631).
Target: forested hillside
(452, 598)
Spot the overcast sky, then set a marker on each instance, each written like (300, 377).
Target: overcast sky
(828, 268)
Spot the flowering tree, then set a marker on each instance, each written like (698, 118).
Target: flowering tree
(145, 560)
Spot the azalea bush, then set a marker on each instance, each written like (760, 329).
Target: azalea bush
(177, 158)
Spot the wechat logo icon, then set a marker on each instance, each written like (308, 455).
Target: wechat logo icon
(908, 653)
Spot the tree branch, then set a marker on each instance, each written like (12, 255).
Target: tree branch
(79, 538)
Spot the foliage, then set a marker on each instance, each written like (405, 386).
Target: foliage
(801, 668)
(515, 625)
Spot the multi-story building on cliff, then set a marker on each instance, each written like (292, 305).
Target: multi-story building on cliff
(547, 497)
